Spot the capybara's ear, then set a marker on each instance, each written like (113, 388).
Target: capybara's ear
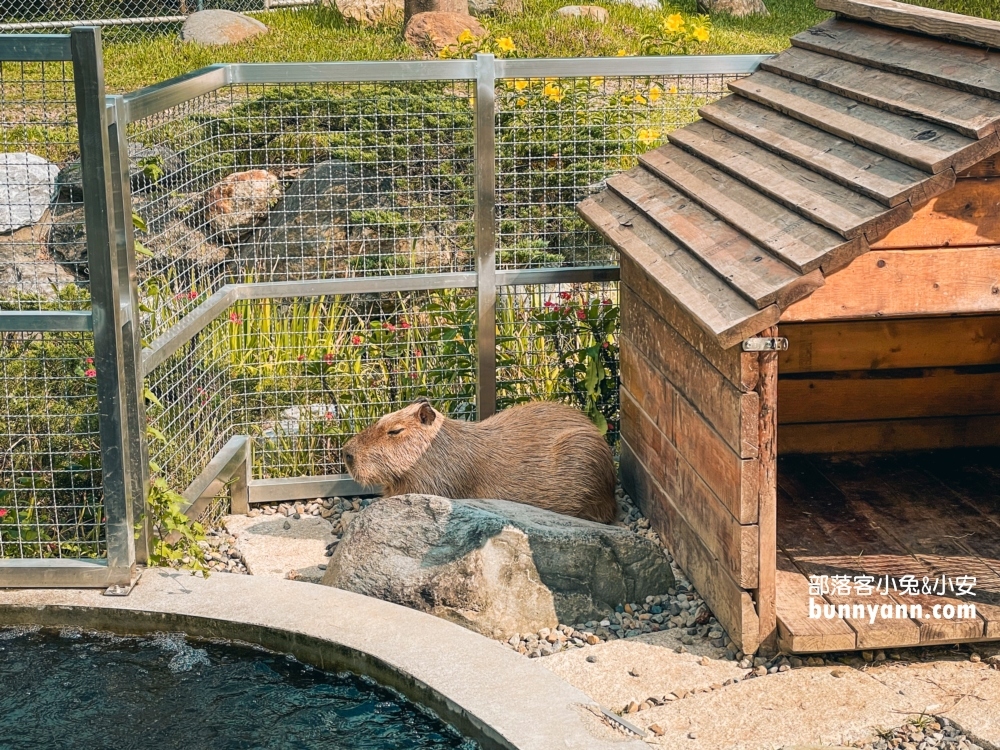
(421, 400)
(426, 413)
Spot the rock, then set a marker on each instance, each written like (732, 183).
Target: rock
(68, 236)
(738, 8)
(593, 12)
(148, 166)
(494, 566)
(311, 231)
(239, 201)
(437, 30)
(26, 265)
(496, 7)
(646, 4)
(27, 186)
(415, 7)
(217, 27)
(368, 12)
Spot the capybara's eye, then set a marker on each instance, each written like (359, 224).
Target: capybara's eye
(395, 432)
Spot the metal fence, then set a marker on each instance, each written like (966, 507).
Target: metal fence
(318, 244)
(123, 20)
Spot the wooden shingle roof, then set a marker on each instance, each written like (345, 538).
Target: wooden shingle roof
(821, 152)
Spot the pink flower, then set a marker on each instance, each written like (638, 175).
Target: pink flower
(581, 315)
(329, 415)
(604, 345)
(355, 340)
(328, 357)
(301, 357)
(404, 325)
(550, 303)
(235, 318)
(611, 426)
(605, 301)
(418, 353)
(413, 376)
(3, 512)
(90, 360)
(90, 373)
(390, 327)
(565, 295)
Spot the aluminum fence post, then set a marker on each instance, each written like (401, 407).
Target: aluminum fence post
(135, 402)
(485, 238)
(109, 303)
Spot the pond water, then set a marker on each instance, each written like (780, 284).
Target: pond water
(67, 689)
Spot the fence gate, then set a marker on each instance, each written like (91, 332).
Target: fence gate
(71, 470)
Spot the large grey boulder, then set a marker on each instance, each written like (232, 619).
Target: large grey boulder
(27, 186)
(494, 566)
(321, 222)
(217, 27)
(149, 166)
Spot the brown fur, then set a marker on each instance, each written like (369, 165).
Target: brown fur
(543, 454)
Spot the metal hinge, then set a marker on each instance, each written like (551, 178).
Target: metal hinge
(765, 344)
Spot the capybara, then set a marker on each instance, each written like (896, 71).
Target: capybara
(540, 453)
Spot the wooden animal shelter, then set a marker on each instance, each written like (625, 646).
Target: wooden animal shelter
(845, 198)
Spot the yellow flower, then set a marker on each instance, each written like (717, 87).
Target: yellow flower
(674, 23)
(648, 135)
(506, 44)
(622, 52)
(655, 92)
(521, 101)
(673, 90)
(466, 37)
(472, 102)
(596, 80)
(553, 92)
(639, 99)
(521, 84)
(700, 33)
(445, 53)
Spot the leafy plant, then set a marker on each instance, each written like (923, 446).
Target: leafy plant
(468, 44)
(677, 36)
(176, 537)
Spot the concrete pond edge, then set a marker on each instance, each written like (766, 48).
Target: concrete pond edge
(486, 691)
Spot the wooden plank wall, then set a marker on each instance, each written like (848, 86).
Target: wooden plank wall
(882, 385)
(945, 260)
(692, 439)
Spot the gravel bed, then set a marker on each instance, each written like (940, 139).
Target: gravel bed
(922, 733)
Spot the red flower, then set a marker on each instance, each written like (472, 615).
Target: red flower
(550, 303)
(611, 426)
(90, 360)
(390, 327)
(413, 376)
(3, 512)
(565, 295)
(235, 318)
(418, 353)
(355, 340)
(328, 357)
(404, 324)
(301, 357)
(605, 301)
(581, 315)
(90, 373)
(329, 415)
(604, 345)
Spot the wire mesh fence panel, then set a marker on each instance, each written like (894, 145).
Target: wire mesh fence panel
(559, 342)
(190, 413)
(308, 374)
(43, 252)
(559, 138)
(50, 458)
(301, 182)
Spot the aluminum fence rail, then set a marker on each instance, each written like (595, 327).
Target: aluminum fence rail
(421, 239)
(245, 265)
(70, 471)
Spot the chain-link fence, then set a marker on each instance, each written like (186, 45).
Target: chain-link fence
(313, 247)
(122, 20)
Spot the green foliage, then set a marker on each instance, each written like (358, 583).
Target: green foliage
(175, 536)
(677, 36)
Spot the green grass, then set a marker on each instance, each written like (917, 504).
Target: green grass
(317, 34)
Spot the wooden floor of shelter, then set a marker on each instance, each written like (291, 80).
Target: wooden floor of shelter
(929, 514)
